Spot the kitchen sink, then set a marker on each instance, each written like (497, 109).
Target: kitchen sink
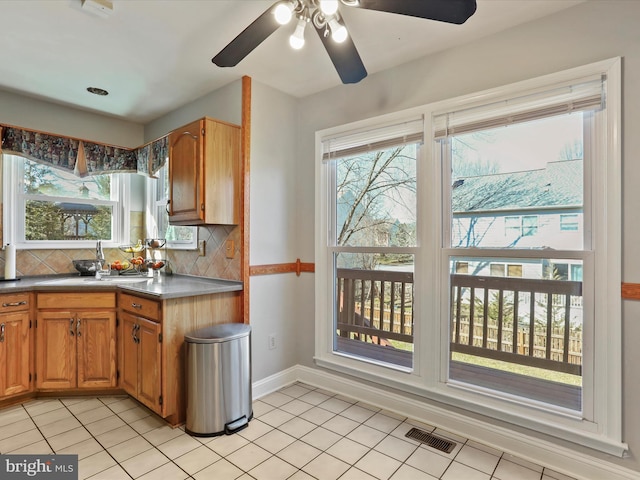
(92, 281)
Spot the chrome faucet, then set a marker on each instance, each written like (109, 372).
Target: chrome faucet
(99, 254)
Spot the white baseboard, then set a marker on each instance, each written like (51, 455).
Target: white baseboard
(274, 382)
(542, 452)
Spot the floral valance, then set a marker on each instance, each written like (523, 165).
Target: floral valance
(82, 157)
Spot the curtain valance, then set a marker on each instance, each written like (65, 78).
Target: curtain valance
(83, 157)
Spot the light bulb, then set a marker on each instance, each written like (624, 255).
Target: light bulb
(338, 31)
(283, 12)
(329, 7)
(296, 40)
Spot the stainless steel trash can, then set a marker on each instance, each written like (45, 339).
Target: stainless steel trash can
(218, 379)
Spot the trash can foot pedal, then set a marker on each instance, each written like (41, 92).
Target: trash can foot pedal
(236, 425)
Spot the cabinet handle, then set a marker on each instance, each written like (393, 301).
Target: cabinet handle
(136, 305)
(135, 328)
(167, 207)
(78, 328)
(14, 304)
(1, 332)
(71, 332)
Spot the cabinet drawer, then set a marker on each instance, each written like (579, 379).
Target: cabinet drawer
(14, 303)
(76, 300)
(140, 306)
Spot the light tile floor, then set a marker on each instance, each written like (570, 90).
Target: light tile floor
(297, 433)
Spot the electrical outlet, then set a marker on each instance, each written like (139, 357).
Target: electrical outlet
(229, 249)
(272, 341)
(202, 248)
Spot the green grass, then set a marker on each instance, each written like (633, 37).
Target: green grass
(535, 372)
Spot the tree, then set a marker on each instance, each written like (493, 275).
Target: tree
(372, 191)
(45, 220)
(42, 221)
(38, 178)
(465, 160)
(573, 151)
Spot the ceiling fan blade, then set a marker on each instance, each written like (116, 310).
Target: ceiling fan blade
(345, 57)
(247, 40)
(450, 11)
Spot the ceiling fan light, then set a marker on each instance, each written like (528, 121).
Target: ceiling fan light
(338, 31)
(283, 12)
(296, 40)
(329, 7)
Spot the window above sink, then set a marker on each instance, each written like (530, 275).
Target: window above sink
(45, 207)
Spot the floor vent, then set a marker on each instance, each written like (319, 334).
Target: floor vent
(433, 441)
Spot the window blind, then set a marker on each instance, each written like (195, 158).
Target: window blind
(355, 143)
(587, 94)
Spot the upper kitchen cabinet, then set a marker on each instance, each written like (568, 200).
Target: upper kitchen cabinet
(204, 170)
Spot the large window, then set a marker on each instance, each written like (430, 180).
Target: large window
(515, 306)
(522, 337)
(50, 208)
(373, 241)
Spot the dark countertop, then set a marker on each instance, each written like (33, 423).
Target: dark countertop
(163, 287)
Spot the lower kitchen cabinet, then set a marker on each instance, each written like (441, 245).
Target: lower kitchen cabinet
(151, 345)
(76, 346)
(15, 344)
(140, 360)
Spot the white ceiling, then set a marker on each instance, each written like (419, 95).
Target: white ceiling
(154, 56)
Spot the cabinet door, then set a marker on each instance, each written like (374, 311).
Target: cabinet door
(128, 354)
(56, 350)
(14, 353)
(149, 362)
(186, 175)
(222, 166)
(96, 348)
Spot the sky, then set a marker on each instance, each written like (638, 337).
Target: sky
(530, 145)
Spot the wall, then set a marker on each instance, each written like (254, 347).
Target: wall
(590, 32)
(22, 111)
(274, 236)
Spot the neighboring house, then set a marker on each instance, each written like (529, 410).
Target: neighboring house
(533, 209)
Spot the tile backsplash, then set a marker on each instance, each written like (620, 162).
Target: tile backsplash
(214, 264)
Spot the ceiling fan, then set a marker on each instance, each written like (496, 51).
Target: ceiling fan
(329, 24)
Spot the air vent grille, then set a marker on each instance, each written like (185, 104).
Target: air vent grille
(432, 440)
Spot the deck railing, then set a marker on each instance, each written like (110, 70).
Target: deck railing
(533, 322)
(376, 307)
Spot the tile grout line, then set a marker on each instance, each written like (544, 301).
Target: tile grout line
(359, 420)
(139, 434)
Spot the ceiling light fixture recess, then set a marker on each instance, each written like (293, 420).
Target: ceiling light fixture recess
(97, 91)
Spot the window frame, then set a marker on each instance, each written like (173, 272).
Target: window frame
(14, 204)
(153, 206)
(603, 431)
